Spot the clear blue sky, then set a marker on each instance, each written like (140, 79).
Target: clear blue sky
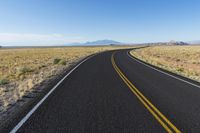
(59, 21)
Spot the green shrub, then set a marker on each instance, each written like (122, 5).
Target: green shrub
(59, 61)
(62, 62)
(180, 69)
(42, 66)
(196, 74)
(56, 61)
(23, 70)
(3, 81)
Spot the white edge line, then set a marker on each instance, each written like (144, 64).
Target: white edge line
(14, 130)
(164, 72)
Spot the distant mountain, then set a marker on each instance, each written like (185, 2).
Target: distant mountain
(102, 42)
(95, 43)
(182, 43)
(170, 43)
(177, 43)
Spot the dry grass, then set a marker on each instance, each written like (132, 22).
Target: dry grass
(184, 60)
(21, 69)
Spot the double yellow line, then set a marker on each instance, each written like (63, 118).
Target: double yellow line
(166, 124)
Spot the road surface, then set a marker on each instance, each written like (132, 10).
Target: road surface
(112, 92)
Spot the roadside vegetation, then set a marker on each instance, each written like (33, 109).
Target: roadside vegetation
(183, 60)
(21, 69)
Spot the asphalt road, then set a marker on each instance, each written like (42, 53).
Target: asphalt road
(112, 92)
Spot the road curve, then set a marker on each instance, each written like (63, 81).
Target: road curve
(112, 92)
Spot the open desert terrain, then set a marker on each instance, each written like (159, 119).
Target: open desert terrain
(183, 60)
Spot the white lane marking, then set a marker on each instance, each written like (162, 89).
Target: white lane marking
(14, 130)
(164, 72)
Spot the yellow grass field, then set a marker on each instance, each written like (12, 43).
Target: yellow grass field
(21, 69)
(183, 60)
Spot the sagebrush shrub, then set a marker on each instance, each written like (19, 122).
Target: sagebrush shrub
(3, 81)
(56, 61)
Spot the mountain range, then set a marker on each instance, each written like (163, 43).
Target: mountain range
(98, 42)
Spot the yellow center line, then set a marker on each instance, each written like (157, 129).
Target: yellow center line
(150, 107)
